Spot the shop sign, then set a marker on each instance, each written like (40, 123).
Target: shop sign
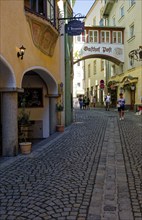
(74, 27)
(112, 50)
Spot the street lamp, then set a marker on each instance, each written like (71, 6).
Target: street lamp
(135, 55)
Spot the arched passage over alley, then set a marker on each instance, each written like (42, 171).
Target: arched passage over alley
(100, 42)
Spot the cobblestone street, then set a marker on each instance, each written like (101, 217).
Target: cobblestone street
(92, 171)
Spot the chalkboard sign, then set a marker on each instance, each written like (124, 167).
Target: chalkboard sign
(31, 97)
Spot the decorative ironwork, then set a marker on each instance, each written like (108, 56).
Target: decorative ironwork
(77, 16)
(135, 55)
(61, 19)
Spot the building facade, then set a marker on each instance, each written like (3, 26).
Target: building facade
(31, 65)
(126, 77)
(113, 26)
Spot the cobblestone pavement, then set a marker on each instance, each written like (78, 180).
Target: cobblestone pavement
(92, 171)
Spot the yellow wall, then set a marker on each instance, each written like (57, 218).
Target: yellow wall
(15, 32)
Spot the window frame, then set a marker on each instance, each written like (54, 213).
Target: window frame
(117, 37)
(81, 38)
(131, 30)
(114, 21)
(95, 67)
(122, 11)
(105, 37)
(95, 39)
(131, 3)
(45, 8)
(102, 64)
(113, 70)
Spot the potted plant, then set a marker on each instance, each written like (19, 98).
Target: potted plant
(23, 125)
(59, 109)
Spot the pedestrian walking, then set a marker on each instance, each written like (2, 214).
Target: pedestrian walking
(94, 101)
(80, 102)
(107, 101)
(84, 102)
(88, 103)
(121, 106)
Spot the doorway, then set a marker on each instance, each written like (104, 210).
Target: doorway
(132, 99)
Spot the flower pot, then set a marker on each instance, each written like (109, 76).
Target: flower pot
(60, 128)
(25, 147)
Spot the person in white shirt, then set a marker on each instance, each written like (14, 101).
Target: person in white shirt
(107, 100)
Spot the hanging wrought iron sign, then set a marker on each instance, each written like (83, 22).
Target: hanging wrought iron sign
(74, 27)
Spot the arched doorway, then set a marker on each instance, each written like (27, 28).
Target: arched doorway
(41, 92)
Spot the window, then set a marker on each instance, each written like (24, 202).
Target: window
(113, 70)
(113, 21)
(102, 65)
(117, 37)
(45, 8)
(121, 11)
(131, 30)
(132, 2)
(93, 36)
(101, 22)
(38, 6)
(95, 67)
(78, 84)
(84, 36)
(90, 38)
(105, 36)
(34, 97)
(50, 10)
(81, 38)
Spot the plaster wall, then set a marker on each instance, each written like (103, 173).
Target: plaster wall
(15, 32)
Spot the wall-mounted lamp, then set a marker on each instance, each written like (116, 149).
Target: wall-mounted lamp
(135, 55)
(133, 87)
(21, 52)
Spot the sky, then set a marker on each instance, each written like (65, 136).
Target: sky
(82, 6)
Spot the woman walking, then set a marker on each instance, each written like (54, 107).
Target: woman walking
(121, 106)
